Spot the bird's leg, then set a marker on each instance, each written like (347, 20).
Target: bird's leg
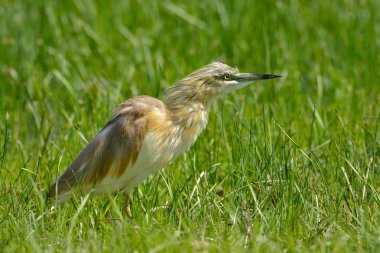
(128, 205)
(108, 215)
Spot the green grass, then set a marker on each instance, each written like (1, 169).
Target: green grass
(298, 158)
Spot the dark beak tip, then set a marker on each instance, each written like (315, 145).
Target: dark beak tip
(254, 76)
(272, 76)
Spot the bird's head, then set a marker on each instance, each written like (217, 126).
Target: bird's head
(210, 82)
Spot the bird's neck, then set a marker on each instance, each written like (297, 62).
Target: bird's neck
(188, 108)
(188, 122)
(189, 115)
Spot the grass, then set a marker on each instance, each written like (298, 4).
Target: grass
(297, 158)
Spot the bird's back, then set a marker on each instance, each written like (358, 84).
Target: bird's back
(113, 151)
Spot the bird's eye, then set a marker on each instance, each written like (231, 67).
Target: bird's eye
(226, 77)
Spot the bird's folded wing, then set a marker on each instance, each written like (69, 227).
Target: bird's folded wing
(112, 151)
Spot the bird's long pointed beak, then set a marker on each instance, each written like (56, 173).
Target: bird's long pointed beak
(246, 77)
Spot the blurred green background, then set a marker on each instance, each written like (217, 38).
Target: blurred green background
(312, 135)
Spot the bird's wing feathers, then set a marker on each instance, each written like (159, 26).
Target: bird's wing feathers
(113, 150)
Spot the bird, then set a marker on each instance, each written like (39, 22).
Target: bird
(145, 134)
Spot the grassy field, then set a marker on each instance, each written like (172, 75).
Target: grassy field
(298, 158)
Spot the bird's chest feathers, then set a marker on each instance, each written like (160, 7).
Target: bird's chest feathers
(192, 126)
(176, 133)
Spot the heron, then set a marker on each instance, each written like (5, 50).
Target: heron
(145, 134)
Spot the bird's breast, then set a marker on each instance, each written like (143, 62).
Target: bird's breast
(195, 124)
(176, 132)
